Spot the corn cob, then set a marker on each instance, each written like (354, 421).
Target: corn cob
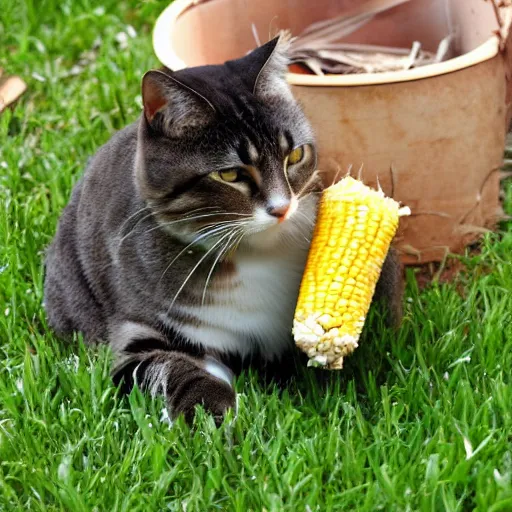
(354, 229)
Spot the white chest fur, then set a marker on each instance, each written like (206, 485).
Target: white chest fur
(257, 311)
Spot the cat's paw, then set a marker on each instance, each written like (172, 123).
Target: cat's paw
(214, 394)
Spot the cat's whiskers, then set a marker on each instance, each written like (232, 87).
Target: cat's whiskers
(194, 218)
(204, 236)
(309, 221)
(123, 238)
(154, 212)
(215, 230)
(187, 217)
(238, 240)
(191, 212)
(304, 216)
(121, 229)
(180, 220)
(224, 250)
(196, 266)
(217, 225)
(313, 177)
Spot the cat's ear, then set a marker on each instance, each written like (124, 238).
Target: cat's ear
(175, 106)
(264, 69)
(271, 80)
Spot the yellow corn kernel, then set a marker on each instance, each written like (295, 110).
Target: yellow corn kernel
(354, 229)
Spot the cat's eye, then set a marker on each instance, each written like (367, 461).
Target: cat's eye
(230, 175)
(295, 156)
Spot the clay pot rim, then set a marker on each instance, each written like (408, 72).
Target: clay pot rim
(167, 56)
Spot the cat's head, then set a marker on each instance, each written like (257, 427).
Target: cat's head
(226, 151)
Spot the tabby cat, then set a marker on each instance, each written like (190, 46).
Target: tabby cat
(184, 243)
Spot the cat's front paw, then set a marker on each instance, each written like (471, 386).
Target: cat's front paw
(214, 394)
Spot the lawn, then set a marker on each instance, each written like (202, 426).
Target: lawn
(419, 420)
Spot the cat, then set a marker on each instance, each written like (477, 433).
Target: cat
(184, 243)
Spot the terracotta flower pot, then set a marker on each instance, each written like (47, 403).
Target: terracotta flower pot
(433, 136)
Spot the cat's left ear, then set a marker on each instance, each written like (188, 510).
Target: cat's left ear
(178, 107)
(264, 69)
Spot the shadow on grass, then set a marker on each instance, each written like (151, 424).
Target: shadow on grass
(314, 389)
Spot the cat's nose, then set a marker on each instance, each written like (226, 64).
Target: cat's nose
(279, 211)
(282, 209)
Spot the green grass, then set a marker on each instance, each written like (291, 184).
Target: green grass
(417, 421)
